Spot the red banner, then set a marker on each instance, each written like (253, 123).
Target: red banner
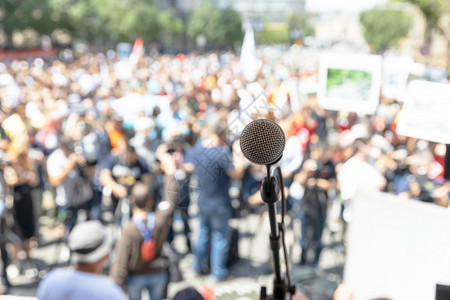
(28, 53)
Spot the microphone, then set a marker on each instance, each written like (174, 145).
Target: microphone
(262, 142)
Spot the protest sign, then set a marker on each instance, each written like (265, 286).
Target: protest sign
(130, 106)
(349, 82)
(396, 248)
(425, 113)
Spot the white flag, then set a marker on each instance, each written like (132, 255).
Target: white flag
(248, 62)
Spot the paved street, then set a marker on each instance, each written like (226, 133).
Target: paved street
(252, 271)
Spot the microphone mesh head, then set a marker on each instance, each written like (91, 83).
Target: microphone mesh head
(262, 142)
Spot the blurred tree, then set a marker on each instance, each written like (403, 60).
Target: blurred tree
(433, 11)
(18, 15)
(383, 28)
(89, 19)
(220, 28)
(135, 18)
(205, 20)
(121, 20)
(232, 23)
(172, 27)
(273, 33)
(299, 25)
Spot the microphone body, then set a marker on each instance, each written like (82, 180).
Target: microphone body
(262, 143)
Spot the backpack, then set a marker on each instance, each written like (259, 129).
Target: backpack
(148, 245)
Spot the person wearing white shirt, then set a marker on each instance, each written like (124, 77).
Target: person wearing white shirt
(356, 174)
(63, 167)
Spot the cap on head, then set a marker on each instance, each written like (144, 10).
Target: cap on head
(89, 242)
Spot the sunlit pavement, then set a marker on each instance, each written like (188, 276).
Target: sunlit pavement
(247, 276)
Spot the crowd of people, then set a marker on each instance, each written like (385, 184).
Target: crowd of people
(62, 130)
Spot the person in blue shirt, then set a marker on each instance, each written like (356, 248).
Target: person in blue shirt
(215, 164)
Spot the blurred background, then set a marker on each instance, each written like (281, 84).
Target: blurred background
(152, 72)
(415, 28)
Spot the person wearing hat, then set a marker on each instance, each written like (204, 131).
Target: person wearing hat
(90, 245)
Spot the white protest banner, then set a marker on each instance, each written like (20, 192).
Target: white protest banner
(131, 105)
(349, 82)
(397, 248)
(425, 113)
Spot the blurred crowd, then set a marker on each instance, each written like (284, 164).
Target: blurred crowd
(161, 134)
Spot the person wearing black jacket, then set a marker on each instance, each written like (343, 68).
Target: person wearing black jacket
(130, 268)
(317, 176)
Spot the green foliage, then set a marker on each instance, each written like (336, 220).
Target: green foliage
(118, 20)
(218, 27)
(232, 23)
(205, 20)
(339, 76)
(273, 35)
(22, 14)
(113, 20)
(169, 22)
(383, 28)
(432, 10)
(171, 27)
(17, 15)
(86, 19)
(300, 22)
(138, 19)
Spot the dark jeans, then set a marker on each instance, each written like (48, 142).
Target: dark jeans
(214, 232)
(95, 205)
(311, 239)
(184, 215)
(154, 283)
(3, 251)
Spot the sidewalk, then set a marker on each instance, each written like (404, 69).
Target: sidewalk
(249, 274)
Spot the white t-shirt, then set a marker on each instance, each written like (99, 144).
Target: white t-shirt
(292, 155)
(356, 175)
(56, 163)
(69, 284)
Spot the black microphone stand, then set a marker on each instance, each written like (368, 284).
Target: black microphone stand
(270, 193)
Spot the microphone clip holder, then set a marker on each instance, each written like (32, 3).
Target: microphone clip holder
(270, 192)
